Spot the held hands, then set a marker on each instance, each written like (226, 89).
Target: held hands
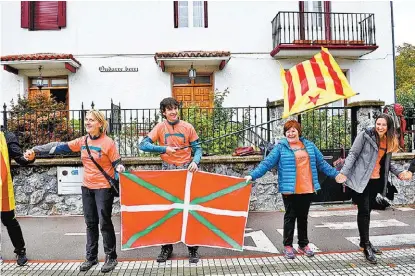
(406, 175)
(341, 178)
(29, 155)
(120, 168)
(192, 167)
(248, 178)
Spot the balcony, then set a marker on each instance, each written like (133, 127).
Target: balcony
(302, 33)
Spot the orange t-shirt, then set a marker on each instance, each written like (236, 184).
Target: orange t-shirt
(178, 135)
(304, 178)
(104, 151)
(381, 153)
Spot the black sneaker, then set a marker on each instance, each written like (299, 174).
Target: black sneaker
(85, 266)
(21, 258)
(165, 254)
(193, 256)
(109, 265)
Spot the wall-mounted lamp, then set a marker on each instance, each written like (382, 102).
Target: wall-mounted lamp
(192, 73)
(39, 80)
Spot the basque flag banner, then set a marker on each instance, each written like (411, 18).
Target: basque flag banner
(198, 209)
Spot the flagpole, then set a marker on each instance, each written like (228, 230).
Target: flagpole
(229, 134)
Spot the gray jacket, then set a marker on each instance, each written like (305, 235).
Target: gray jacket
(361, 161)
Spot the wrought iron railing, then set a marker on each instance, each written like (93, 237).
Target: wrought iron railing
(129, 126)
(329, 128)
(323, 28)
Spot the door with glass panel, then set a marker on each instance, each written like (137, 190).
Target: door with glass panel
(197, 92)
(315, 21)
(56, 87)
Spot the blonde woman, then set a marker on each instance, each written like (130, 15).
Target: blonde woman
(97, 198)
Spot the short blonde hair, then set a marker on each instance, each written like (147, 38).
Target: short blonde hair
(100, 117)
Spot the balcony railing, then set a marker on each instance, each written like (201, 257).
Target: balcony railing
(321, 28)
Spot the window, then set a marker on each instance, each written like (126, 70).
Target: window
(43, 15)
(190, 14)
(316, 18)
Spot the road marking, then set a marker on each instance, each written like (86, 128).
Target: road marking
(353, 225)
(387, 240)
(262, 243)
(341, 213)
(405, 209)
(84, 234)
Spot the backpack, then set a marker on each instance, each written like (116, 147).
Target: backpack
(396, 112)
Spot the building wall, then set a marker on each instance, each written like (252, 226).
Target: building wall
(129, 33)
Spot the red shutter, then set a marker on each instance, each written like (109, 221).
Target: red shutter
(205, 9)
(176, 13)
(62, 13)
(46, 15)
(301, 6)
(25, 14)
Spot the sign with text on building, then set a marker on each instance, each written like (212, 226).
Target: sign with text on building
(70, 180)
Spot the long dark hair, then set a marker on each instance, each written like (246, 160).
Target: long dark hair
(391, 139)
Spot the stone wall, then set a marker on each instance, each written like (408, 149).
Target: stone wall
(36, 187)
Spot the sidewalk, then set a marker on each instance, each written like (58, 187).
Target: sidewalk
(392, 262)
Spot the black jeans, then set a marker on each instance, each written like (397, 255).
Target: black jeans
(97, 206)
(296, 208)
(9, 220)
(364, 203)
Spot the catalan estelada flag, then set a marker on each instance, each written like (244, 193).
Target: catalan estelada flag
(7, 202)
(314, 83)
(198, 209)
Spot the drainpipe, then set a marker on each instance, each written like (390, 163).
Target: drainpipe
(393, 48)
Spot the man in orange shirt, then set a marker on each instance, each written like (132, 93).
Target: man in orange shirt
(173, 135)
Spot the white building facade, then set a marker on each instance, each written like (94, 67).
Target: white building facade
(234, 45)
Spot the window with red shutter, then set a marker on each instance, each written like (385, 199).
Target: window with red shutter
(43, 15)
(190, 14)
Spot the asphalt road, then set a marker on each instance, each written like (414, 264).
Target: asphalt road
(334, 230)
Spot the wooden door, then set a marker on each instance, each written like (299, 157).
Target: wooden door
(183, 94)
(203, 96)
(34, 92)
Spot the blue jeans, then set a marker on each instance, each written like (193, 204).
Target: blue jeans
(97, 206)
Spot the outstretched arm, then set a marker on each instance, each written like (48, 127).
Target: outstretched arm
(15, 151)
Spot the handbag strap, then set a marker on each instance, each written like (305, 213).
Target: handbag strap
(109, 178)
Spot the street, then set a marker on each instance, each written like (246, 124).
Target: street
(330, 230)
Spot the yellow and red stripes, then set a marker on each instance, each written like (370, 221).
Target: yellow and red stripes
(319, 74)
(7, 193)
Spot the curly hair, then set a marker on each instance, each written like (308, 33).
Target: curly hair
(168, 103)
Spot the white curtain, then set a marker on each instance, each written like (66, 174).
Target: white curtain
(198, 14)
(183, 9)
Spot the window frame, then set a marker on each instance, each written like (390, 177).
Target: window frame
(27, 16)
(190, 19)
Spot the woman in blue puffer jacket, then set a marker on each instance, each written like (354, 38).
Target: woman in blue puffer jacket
(298, 161)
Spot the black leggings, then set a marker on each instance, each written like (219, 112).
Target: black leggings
(364, 203)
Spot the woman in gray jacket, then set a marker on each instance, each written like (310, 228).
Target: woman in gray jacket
(366, 172)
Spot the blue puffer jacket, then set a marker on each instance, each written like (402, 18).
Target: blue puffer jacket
(283, 157)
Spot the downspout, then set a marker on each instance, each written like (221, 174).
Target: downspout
(393, 49)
